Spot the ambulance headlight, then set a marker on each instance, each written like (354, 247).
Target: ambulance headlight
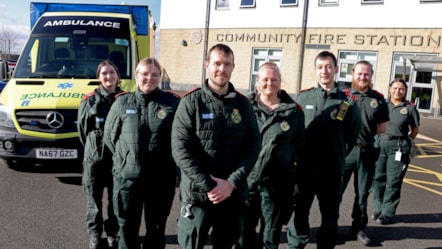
(6, 117)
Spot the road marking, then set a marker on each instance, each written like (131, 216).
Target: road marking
(429, 150)
(427, 138)
(431, 186)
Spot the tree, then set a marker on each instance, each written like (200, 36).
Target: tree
(8, 40)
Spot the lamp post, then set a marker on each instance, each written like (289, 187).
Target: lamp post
(206, 40)
(302, 47)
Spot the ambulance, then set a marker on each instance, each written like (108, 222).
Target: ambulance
(57, 67)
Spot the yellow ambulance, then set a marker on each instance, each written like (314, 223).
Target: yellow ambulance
(57, 67)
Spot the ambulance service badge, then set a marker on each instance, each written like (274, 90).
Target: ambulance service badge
(161, 114)
(236, 116)
(403, 110)
(285, 125)
(374, 103)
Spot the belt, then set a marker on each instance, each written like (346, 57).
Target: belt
(390, 137)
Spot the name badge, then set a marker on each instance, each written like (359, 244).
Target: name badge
(131, 111)
(207, 116)
(398, 156)
(309, 107)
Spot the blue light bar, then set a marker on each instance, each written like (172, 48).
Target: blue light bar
(139, 13)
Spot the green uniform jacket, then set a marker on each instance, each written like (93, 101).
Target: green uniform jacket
(282, 138)
(374, 110)
(214, 135)
(328, 140)
(91, 118)
(137, 131)
(402, 117)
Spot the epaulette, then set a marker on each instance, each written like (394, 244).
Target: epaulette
(298, 105)
(349, 95)
(378, 93)
(308, 89)
(88, 95)
(191, 91)
(173, 94)
(120, 94)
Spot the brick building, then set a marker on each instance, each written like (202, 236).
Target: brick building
(400, 39)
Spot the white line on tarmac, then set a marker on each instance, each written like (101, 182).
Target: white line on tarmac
(427, 138)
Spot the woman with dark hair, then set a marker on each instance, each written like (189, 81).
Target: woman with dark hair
(97, 160)
(395, 147)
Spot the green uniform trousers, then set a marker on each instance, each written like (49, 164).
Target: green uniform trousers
(97, 179)
(361, 163)
(131, 198)
(326, 187)
(197, 219)
(389, 176)
(270, 209)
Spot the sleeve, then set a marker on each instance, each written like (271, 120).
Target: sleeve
(112, 126)
(185, 145)
(300, 135)
(252, 147)
(385, 116)
(82, 121)
(415, 118)
(353, 127)
(298, 142)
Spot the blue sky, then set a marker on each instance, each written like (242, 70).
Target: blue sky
(15, 13)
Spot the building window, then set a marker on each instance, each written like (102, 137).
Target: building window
(401, 67)
(328, 2)
(346, 61)
(420, 79)
(372, 1)
(222, 4)
(247, 3)
(289, 2)
(260, 56)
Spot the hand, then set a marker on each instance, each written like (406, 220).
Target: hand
(222, 191)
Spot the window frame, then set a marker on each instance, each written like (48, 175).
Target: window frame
(400, 63)
(224, 7)
(345, 82)
(328, 2)
(292, 3)
(412, 78)
(259, 58)
(249, 5)
(372, 1)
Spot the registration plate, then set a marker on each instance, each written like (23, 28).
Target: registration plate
(57, 153)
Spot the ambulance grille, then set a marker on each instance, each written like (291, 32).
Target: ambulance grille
(48, 121)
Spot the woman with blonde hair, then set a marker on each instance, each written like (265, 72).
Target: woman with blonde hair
(272, 180)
